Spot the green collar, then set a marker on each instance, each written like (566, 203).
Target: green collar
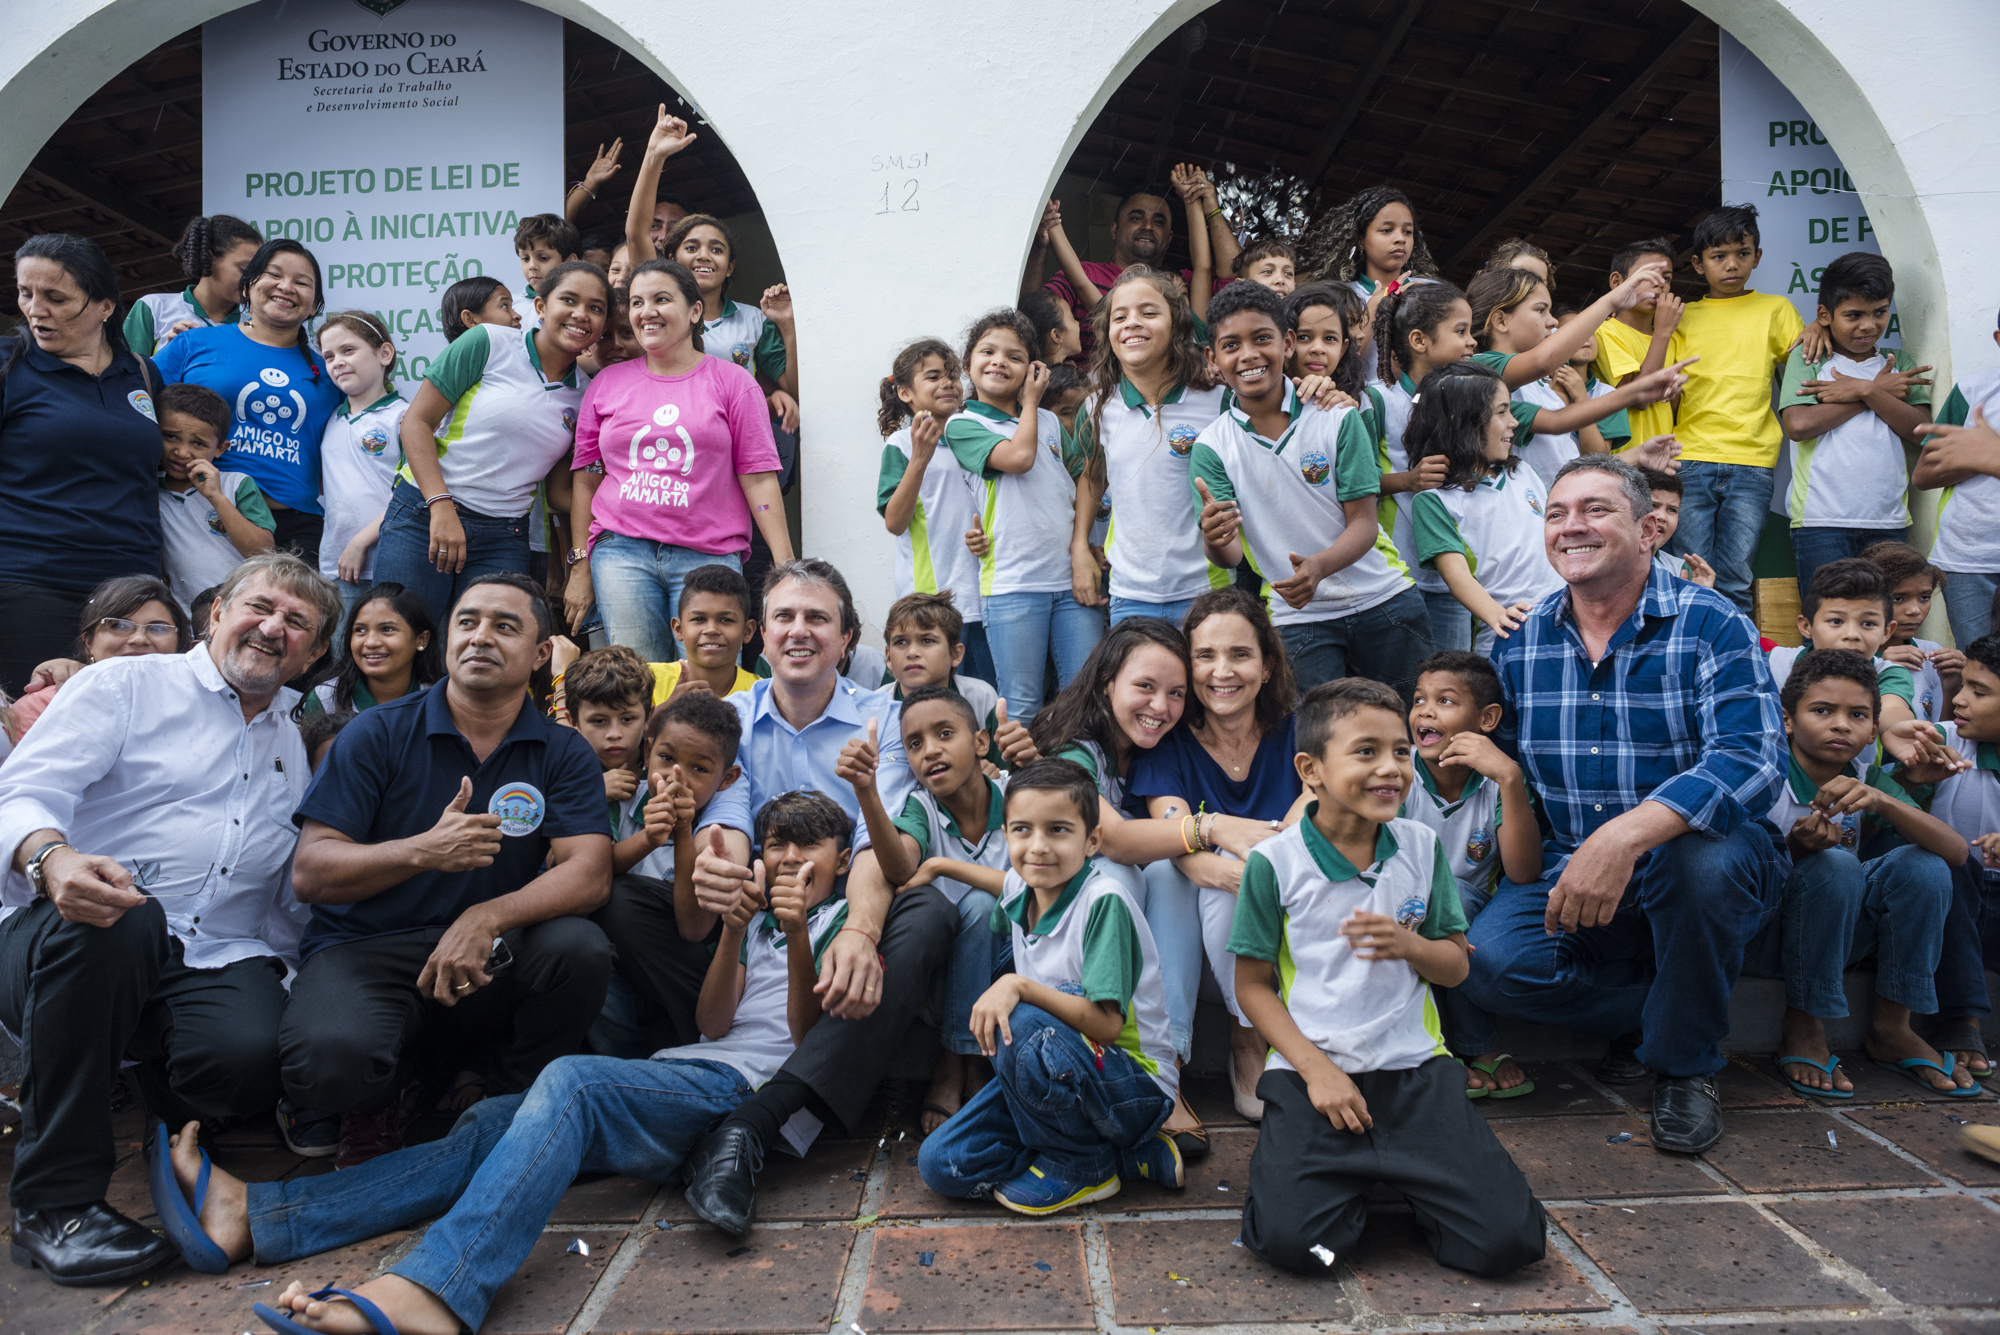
(1133, 399)
(728, 310)
(388, 398)
(229, 316)
(1430, 784)
(1294, 408)
(989, 412)
(1987, 757)
(1331, 860)
(1802, 786)
(535, 356)
(1368, 284)
(1017, 908)
(995, 802)
(1409, 386)
(363, 698)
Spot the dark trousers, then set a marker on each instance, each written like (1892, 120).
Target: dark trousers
(1971, 942)
(664, 969)
(83, 998)
(357, 1025)
(1309, 1182)
(39, 624)
(299, 533)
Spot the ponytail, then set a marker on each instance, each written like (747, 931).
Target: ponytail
(206, 240)
(892, 412)
(1411, 307)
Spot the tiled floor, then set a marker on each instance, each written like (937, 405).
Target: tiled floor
(1865, 1219)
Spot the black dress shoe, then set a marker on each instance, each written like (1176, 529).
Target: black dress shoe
(1621, 1065)
(1687, 1113)
(87, 1244)
(722, 1178)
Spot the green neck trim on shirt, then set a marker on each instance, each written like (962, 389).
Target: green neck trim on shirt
(728, 312)
(1987, 757)
(1017, 908)
(1409, 386)
(1430, 784)
(1802, 785)
(230, 316)
(1332, 862)
(989, 412)
(388, 398)
(995, 801)
(1294, 408)
(535, 357)
(1368, 284)
(1134, 399)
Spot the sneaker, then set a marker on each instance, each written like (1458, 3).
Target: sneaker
(1038, 1192)
(369, 1135)
(308, 1134)
(1156, 1159)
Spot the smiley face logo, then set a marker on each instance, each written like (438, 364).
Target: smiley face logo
(519, 806)
(273, 377)
(1180, 440)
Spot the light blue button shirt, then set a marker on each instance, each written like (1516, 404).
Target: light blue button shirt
(778, 758)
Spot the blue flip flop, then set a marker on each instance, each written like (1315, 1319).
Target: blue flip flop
(278, 1321)
(1830, 1065)
(1909, 1066)
(182, 1224)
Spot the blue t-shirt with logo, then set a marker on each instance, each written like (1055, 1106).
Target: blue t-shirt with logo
(395, 768)
(280, 398)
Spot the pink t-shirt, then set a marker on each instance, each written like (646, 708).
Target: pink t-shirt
(672, 447)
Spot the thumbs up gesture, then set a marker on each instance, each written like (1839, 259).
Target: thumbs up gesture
(857, 761)
(1017, 748)
(788, 899)
(461, 840)
(976, 540)
(1220, 521)
(718, 882)
(748, 901)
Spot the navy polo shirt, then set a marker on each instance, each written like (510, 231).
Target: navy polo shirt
(390, 776)
(79, 472)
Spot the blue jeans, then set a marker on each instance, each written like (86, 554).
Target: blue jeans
(1469, 1031)
(1971, 942)
(1171, 613)
(1023, 629)
(501, 1172)
(1171, 906)
(1053, 1100)
(638, 585)
(978, 656)
(1838, 910)
(1451, 624)
(1723, 509)
(1815, 547)
(1968, 604)
(1385, 642)
(492, 547)
(1665, 963)
(970, 972)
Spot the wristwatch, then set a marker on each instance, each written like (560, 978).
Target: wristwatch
(573, 555)
(35, 877)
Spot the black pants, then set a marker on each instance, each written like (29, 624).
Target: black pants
(357, 1025)
(299, 533)
(83, 998)
(37, 623)
(664, 968)
(1309, 1182)
(843, 1060)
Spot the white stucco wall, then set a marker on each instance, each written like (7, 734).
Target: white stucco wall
(983, 114)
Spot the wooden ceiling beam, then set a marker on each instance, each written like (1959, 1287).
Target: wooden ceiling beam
(1387, 43)
(106, 198)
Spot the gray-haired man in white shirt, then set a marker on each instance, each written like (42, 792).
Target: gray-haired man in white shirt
(145, 911)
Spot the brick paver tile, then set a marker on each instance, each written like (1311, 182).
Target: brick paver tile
(906, 1197)
(1401, 1278)
(696, 1281)
(1559, 1092)
(821, 1187)
(1872, 1084)
(1937, 1249)
(1701, 1258)
(1025, 1277)
(1186, 1272)
(181, 1302)
(1931, 1132)
(1570, 1158)
(1745, 1082)
(1807, 1327)
(1789, 1151)
(609, 1200)
(1971, 1326)
(1217, 1182)
(552, 1283)
(29, 1303)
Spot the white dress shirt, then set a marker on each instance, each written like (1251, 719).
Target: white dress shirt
(148, 760)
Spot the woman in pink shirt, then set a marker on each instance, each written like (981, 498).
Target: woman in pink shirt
(674, 459)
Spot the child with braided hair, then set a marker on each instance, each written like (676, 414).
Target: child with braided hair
(212, 252)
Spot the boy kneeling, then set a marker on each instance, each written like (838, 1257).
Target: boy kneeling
(1363, 909)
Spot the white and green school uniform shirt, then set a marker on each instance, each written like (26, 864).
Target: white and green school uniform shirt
(1544, 452)
(1028, 517)
(1893, 678)
(937, 834)
(627, 819)
(1391, 406)
(358, 459)
(1497, 528)
(760, 1037)
(1617, 428)
(1854, 476)
(1968, 532)
(1297, 888)
(1364, 288)
(1102, 769)
(507, 426)
(1154, 541)
(931, 555)
(1796, 797)
(1930, 703)
(1673, 565)
(1094, 943)
(158, 312)
(1468, 829)
(1290, 493)
(1969, 802)
(742, 334)
(194, 549)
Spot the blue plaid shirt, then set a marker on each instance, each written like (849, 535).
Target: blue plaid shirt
(1682, 710)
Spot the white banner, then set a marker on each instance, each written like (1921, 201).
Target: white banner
(1808, 214)
(402, 140)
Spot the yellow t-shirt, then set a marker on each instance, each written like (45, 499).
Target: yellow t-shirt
(1725, 414)
(666, 676)
(1621, 351)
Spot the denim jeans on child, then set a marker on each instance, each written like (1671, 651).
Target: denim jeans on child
(1723, 510)
(638, 584)
(493, 546)
(1054, 1100)
(978, 656)
(1451, 624)
(1968, 604)
(1385, 642)
(499, 1175)
(1171, 613)
(1023, 629)
(1815, 547)
(970, 972)
(1838, 910)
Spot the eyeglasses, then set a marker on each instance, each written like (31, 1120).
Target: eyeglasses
(155, 630)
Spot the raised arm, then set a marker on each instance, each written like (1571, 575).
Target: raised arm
(670, 135)
(1527, 367)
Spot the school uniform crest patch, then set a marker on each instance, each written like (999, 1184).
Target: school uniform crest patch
(1180, 440)
(375, 440)
(1479, 845)
(1411, 912)
(1315, 468)
(740, 353)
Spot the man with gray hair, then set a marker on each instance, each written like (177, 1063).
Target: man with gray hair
(1644, 713)
(145, 911)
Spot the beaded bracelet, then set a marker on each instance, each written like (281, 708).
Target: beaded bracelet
(429, 501)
